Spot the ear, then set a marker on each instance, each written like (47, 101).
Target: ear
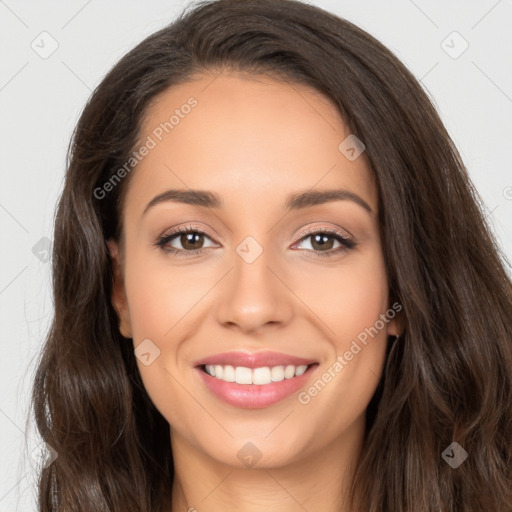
(396, 324)
(118, 297)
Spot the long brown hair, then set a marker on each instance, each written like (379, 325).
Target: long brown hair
(447, 379)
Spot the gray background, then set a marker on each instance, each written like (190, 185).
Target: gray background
(41, 99)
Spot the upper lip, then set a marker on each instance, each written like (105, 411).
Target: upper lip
(254, 359)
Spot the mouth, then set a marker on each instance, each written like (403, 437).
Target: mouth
(255, 386)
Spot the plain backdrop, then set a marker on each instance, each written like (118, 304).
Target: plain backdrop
(53, 54)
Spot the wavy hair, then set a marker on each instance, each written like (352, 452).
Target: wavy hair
(448, 378)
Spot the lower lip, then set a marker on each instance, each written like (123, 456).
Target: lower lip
(253, 396)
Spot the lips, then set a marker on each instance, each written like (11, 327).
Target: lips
(249, 395)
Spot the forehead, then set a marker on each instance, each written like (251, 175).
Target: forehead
(250, 137)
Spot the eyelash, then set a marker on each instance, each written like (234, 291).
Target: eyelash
(346, 242)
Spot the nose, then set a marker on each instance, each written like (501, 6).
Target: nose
(254, 295)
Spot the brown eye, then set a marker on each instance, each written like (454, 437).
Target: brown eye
(185, 241)
(191, 241)
(322, 243)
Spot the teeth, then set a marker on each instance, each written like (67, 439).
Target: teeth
(261, 376)
(258, 376)
(300, 370)
(219, 371)
(228, 374)
(242, 375)
(289, 372)
(277, 373)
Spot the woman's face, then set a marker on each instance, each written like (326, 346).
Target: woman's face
(262, 279)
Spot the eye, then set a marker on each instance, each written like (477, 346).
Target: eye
(189, 239)
(322, 242)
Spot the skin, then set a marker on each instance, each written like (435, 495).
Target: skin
(254, 140)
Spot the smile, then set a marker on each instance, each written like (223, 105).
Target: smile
(254, 386)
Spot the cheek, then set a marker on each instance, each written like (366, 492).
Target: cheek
(165, 304)
(348, 301)
(159, 295)
(347, 298)
(159, 300)
(363, 298)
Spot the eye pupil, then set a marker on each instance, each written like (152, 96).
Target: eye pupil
(191, 238)
(319, 240)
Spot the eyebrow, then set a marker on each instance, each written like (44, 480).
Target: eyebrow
(294, 201)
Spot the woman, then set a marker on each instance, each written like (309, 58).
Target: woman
(274, 286)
